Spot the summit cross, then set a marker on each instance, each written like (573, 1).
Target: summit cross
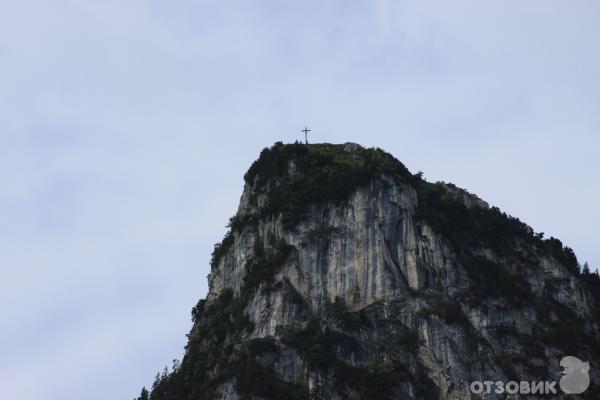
(306, 130)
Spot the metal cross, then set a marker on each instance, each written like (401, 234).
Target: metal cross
(306, 130)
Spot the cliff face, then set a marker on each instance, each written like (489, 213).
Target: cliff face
(344, 276)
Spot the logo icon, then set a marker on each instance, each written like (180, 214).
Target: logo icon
(576, 379)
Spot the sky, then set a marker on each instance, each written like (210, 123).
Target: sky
(126, 128)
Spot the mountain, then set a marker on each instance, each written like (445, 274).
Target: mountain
(345, 276)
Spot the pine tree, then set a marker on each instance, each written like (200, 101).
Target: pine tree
(144, 395)
(156, 381)
(586, 269)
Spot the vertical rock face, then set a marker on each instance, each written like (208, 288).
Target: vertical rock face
(346, 277)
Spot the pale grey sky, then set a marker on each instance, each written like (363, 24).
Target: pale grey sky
(126, 128)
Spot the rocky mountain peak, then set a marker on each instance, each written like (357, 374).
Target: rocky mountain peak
(346, 276)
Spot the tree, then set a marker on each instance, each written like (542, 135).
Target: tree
(144, 395)
(156, 381)
(586, 269)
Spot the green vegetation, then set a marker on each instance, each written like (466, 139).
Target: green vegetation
(447, 309)
(217, 353)
(223, 317)
(323, 348)
(592, 281)
(441, 305)
(218, 326)
(254, 379)
(221, 248)
(565, 330)
(321, 173)
(144, 395)
(264, 265)
(399, 336)
(491, 280)
(478, 227)
(260, 346)
(406, 338)
(347, 319)
(239, 222)
(370, 384)
(214, 354)
(319, 346)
